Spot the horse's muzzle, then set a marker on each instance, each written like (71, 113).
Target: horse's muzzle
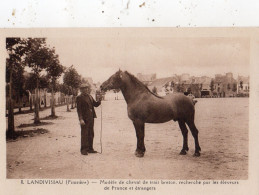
(103, 88)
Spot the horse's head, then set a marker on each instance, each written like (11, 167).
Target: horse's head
(114, 82)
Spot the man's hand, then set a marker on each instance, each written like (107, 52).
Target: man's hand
(81, 122)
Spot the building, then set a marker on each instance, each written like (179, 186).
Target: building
(203, 81)
(224, 85)
(183, 83)
(163, 86)
(204, 86)
(243, 86)
(229, 76)
(185, 77)
(218, 85)
(146, 78)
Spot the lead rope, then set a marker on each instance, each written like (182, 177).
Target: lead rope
(101, 130)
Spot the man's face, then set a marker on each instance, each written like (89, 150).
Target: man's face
(85, 90)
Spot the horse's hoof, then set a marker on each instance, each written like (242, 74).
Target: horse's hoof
(196, 154)
(183, 152)
(139, 154)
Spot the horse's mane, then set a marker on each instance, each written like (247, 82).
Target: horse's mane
(139, 83)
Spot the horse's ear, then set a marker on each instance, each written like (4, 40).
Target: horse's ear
(120, 73)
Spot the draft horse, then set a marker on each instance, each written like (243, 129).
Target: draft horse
(146, 107)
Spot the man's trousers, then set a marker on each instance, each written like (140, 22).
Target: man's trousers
(87, 135)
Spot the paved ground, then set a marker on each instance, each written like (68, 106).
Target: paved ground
(223, 126)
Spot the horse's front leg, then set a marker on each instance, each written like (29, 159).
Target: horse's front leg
(140, 133)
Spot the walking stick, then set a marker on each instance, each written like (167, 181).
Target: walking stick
(101, 130)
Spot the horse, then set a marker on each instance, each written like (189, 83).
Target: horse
(144, 106)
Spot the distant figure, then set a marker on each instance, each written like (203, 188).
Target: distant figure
(191, 96)
(86, 114)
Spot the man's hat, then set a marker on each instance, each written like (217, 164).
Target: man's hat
(84, 85)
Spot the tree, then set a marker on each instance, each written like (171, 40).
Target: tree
(37, 58)
(189, 90)
(234, 87)
(65, 89)
(31, 85)
(201, 86)
(16, 48)
(44, 84)
(212, 85)
(241, 84)
(18, 85)
(172, 85)
(73, 80)
(54, 70)
(178, 88)
(228, 86)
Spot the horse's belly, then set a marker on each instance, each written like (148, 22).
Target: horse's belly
(155, 115)
(159, 118)
(152, 112)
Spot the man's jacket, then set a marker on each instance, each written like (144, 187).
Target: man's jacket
(85, 107)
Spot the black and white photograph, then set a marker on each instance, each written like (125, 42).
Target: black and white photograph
(128, 103)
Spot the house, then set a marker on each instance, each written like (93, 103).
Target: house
(224, 85)
(243, 86)
(185, 77)
(163, 86)
(195, 85)
(218, 85)
(183, 83)
(146, 78)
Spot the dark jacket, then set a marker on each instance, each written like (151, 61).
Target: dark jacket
(85, 107)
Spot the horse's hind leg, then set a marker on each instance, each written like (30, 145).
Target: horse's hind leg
(195, 132)
(140, 133)
(185, 136)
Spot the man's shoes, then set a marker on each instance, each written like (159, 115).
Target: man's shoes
(84, 152)
(92, 151)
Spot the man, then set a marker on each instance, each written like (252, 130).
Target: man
(86, 114)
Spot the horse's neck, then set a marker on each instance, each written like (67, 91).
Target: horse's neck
(131, 92)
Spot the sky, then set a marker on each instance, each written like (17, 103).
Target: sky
(100, 52)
